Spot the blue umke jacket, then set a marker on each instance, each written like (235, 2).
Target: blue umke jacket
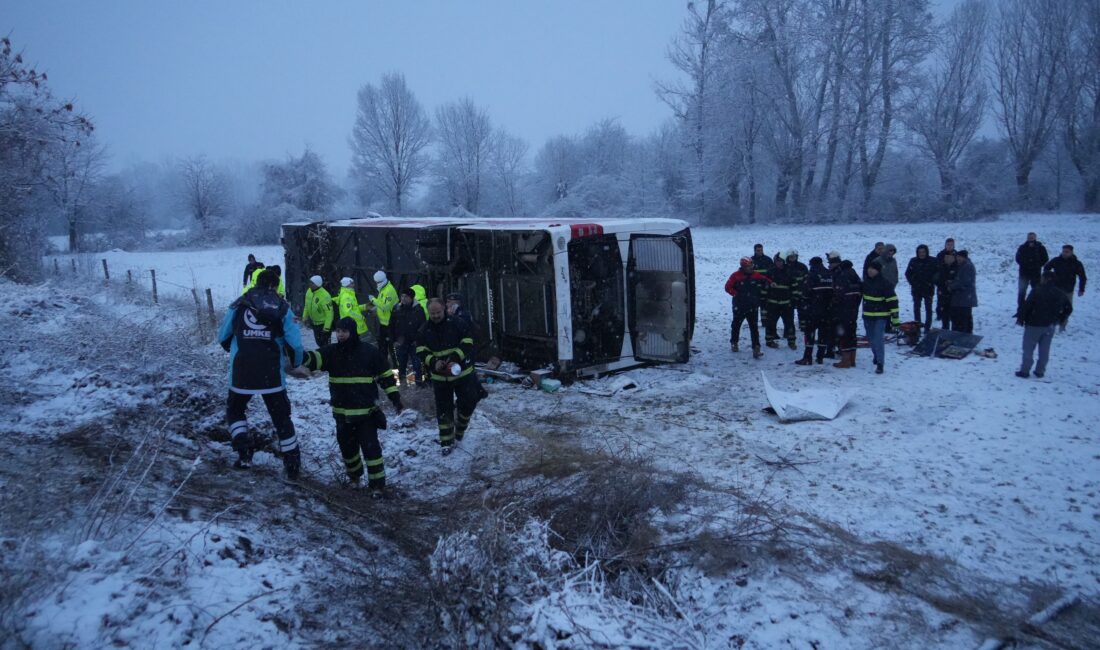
(255, 331)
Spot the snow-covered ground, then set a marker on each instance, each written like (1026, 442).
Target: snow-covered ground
(946, 503)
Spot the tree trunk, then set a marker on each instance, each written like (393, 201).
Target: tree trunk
(74, 240)
(752, 189)
(1023, 173)
(1092, 194)
(947, 183)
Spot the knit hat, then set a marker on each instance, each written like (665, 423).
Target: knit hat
(317, 280)
(408, 292)
(346, 282)
(833, 256)
(379, 277)
(890, 248)
(746, 261)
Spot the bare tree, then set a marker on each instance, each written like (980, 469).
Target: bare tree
(692, 53)
(465, 138)
(951, 101)
(388, 140)
(1029, 48)
(1082, 114)
(204, 191)
(75, 168)
(508, 160)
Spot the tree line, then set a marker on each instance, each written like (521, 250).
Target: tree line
(782, 110)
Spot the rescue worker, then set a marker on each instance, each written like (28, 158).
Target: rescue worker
(255, 330)
(406, 322)
(383, 305)
(250, 268)
(1067, 270)
(779, 306)
(356, 370)
(921, 276)
(945, 276)
(761, 264)
(746, 288)
(421, 297)
(1030, 257)
(1044, 308)
(317, 311)
(880, 312)
(878, 250)
(797, 271)
(847, 294)
(889, 262)
(815, 323)
(835, 268)
(276, 269)
(348, 305)
(964, 294)
(446, 352)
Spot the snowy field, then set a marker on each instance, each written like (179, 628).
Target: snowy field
(947, 503)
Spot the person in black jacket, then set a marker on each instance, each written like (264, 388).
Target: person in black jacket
(880, 312)
(1067, 270)
(945, 276)
(1030, 257)
(921, 276)
(847, 295)
(1046, 306)
(798, 273)
(779, 304)
(817, 292)
(356, 370)
(446, 350)
(964, 294)
(256, 329)
(879, 249)
(407, 319)
(249, 268)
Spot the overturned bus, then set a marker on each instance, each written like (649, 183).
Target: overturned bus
(581, 297)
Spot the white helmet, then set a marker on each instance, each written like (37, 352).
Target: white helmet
(346, 282)
(317, 280)
(380, 277)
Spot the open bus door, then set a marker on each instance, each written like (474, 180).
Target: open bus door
(660, 296)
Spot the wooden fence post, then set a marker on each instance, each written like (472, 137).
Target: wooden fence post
(106, 274)
(73, 260)
(210, 308)
(56, 267)
(198, 312)
(129, 276)
(153, 272)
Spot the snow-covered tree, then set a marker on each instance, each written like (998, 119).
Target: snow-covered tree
(74, 170)
(204, 193)
(1029, 49)
(302, 182)
(33, 127)
(1082, 112)
(509, 160)
(951, 100)
(389, 139)
(465, 138)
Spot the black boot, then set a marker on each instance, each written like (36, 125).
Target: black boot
(292, 463)
(879, 368)
(820, 355)
(807, 358)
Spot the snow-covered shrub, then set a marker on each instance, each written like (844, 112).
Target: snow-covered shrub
(482, 576)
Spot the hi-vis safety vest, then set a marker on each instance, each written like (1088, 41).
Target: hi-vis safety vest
(281, 290)
(384, 303)
(421, 297)
(318, 308)
(350, 308)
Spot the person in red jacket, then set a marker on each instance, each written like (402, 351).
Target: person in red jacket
(746, 287)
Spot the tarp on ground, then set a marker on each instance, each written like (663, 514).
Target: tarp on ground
(946, 344)
(808, 403)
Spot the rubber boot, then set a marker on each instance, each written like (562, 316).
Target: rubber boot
(852, 358)
(292, 463)
(879, 368)
(756, 353)
(820, 359)
(845, 359)
(807, 358)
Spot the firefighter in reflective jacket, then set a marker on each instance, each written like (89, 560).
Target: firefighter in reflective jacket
(349, 307)
(779, 304)
(356, 370)
(317, 310)
(445, 348)
(384, 303)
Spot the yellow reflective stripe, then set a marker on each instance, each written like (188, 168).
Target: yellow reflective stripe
(353, 464)
(317, 358)
(391, 390)
(375, 462)
(421, 348)
(376, 475)
(351, 380)
(467, 340)
(342, 411)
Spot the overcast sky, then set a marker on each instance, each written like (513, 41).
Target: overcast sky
(249, 80)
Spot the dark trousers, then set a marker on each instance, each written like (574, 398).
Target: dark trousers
(816, 331)
(771, 322)
(452, 418)
(1022, 285)
(358, 440)
(406, 353)
(943, 309)
(927, 300)
(750, 317)
(962, 319)
(385, 343)
(278, 407)
(846, 334)
(322, 336)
